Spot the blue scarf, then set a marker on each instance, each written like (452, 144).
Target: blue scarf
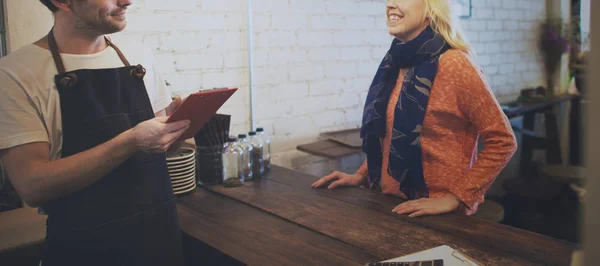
(421, 56)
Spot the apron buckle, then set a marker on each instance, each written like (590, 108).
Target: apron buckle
(68, 80)
(138, 71)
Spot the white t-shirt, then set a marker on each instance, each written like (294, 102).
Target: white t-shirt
(29, 100)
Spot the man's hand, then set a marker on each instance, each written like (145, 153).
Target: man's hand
(428, 206)
(168, 111)
(156, 136)
(173, 106)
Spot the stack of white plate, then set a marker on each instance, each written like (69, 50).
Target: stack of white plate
(182, 169)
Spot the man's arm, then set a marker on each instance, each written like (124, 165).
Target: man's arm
(38, 180)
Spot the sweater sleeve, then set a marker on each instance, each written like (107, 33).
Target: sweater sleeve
(477, 103)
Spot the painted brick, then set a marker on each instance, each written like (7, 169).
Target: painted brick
(285, 56)
(341, 7)
(360, 23)
(270, 75)
(341, 70)
(270, 6)
(326, 87)
(303, 72)
(199, 61)
(170, 5)
(308, 6)
(315, 39)
(276, 39)
(289, 22)
(289, 91)
(324, 54)
(355, 53)
(185, 42)
(375, 8)
(328, 22)
(348, 38)
(221, 5)
(329, 118)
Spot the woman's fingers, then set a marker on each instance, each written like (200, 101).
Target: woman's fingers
(325, 180)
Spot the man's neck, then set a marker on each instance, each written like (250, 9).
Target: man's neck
(74, 41)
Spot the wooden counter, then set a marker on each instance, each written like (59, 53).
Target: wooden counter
(280, 220)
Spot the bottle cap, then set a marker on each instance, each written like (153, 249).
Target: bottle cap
(260, 129)
(241, 136)
(252, 133)
(232, 139)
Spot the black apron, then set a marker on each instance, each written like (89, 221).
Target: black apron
(129, 216)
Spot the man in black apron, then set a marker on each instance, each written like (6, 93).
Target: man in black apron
(124, 212)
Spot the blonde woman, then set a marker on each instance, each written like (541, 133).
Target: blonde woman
(426, 108)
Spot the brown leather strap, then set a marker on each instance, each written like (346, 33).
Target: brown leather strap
(60, 66)
(55, 54)
(123, 59)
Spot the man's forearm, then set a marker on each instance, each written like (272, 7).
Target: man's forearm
(42, 180)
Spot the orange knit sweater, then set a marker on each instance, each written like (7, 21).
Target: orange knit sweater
(461, 109)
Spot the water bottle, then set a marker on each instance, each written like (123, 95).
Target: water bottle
(247, 157)
(258, 163)
(260, 132)
(232, 164)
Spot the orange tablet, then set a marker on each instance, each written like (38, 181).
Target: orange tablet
(199, 107)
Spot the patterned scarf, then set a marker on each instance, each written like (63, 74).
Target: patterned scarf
(405, 162)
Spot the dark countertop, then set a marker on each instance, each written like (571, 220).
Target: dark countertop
(279, 219)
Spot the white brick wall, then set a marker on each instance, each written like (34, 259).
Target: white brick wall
(327, 45)
(313, 60)
(197, 44)
(503, 34)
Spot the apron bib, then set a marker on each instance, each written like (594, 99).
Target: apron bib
(129, 216)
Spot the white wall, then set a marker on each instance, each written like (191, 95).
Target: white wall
(27, 21)
(503, 33)
(585, 20)
(198, 44)
(313, 64)
(313, 60)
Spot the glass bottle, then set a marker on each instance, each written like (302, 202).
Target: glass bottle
(258, 163)
(232, 164)
(247, 157)
(260, 132)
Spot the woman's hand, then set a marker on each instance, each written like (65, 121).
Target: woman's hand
(428, 206)
(343, 179)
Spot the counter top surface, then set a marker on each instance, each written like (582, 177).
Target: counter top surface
(279, 219)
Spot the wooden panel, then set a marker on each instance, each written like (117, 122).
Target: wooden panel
(527, 107)
(257, 238)
(384, 235)
(328, 149)
(348, 137)
(496, 236)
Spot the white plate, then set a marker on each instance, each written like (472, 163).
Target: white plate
(182, 169)
(184, 189)
(183, 185)
(180, 175)
(183, 180)
(181, 154)
(181, 162)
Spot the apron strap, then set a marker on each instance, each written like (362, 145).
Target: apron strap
(123, 59)
(55, 54)
(60, 66)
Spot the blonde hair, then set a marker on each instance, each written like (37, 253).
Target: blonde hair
(443, 21)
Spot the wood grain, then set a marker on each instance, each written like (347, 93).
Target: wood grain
(257, 238)
(328, 149)
(536, 247)
(383, 235)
